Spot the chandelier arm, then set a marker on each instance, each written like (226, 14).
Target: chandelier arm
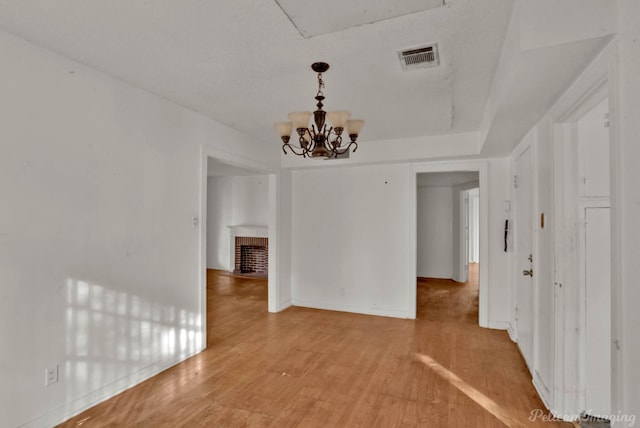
(346, 149)
(293, 150)
(337, 139)
(311, 144)
(308, 147)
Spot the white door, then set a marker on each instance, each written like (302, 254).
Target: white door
(523, 229)
(598, 311)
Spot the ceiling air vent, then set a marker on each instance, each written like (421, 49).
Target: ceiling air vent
(421, 57)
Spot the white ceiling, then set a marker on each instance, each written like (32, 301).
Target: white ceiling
(243, 62)
(304, 13)
(538, 72)
(216, 168)
(246, 63)
(445, 179)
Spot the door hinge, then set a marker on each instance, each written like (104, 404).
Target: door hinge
(606, 120)
(515, 181)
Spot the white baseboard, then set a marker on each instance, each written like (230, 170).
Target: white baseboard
(504, 325)
(541, 388)
(79, 405)
(330, 306)
(512, 333)
(499, 325)
(284, 305)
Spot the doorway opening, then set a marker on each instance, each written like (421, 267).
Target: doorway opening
(237, 219)
(448, 245)
(237, 201)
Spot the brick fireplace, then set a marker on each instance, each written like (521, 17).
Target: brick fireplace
(251, 255)
(249, 250)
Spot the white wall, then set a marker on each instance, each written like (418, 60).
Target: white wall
(593, 141)
(425, 148)
(460, 258)
(99, 258)
(351, 239)
(547, 262)
(219, 216)
(546, 23)
(474, 225)
(544, 253)
(282, 240)
(232, 201)
(435, 232)
(620, 66)
(498, 189)
(626, 203)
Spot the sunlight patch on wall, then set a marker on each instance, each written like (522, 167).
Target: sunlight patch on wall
(111, 334)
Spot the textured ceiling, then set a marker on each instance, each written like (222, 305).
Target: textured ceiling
(244, 63)
(446, 179)
(543, 72)
(303, 13)
(216, 168)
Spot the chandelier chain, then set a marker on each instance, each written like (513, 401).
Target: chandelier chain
(320, 85)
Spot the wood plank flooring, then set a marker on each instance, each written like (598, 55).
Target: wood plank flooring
(312, 368)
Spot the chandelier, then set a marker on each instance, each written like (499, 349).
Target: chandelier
(323, 140)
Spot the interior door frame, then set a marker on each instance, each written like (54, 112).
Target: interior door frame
(481, 167)
(524, 146)
(464, 239)
(596, 83)
(274, 296)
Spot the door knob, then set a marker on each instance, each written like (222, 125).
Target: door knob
(528, 272)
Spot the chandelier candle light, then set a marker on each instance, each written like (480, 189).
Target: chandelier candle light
(323, 140)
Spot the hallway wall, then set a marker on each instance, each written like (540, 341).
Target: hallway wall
(619, 66)
(435, 231)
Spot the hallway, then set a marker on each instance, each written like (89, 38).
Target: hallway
(444, 300)
(306, 367)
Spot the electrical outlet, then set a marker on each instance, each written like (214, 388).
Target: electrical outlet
(51, 375)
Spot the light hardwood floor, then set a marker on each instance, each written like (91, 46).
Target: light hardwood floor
(313, 368)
